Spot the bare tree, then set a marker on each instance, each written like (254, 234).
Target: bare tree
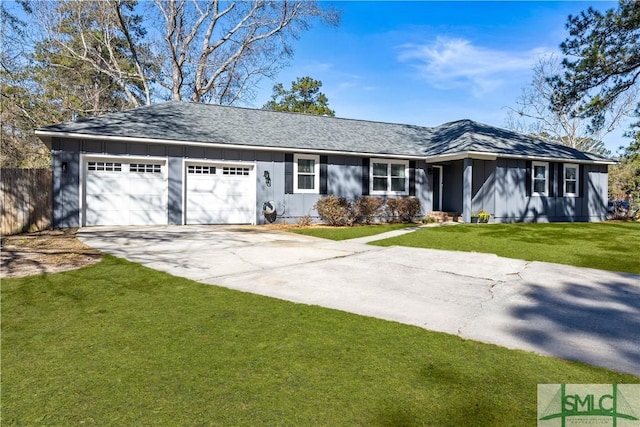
(21, 108)
(534, 113)
(216, 50)
(101, 36)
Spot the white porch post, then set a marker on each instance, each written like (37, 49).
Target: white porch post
(467, 182)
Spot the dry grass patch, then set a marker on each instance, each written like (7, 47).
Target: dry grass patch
(47, 251)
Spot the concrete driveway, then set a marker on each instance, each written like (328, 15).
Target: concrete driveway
(568, 312)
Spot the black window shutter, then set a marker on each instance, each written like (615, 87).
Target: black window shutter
(323, 174)
(527, 184)
(582, 177)
(288, 173)
(552, 178)
(560, 179)
(365, 176)
(412, 177)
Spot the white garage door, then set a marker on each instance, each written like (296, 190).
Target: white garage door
(220, 194)
(125, 192)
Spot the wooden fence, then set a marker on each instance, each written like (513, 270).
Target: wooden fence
(26, 197)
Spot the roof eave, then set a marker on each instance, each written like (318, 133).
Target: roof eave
(43, 134)
(478, 155)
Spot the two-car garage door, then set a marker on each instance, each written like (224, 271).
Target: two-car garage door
(123, 191)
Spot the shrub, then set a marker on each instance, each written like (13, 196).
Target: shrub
(409, 209)
(335, 210)
(304, 221)
(391, 210)
(368, 208)
(405, 209)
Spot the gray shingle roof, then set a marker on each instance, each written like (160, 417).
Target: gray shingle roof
(215, 124)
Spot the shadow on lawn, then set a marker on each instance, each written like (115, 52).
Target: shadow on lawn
(558, 320)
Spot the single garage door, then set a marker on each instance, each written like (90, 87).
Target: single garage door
(220, 194)
(130, 192)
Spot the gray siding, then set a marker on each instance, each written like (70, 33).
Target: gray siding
(512, 204)
(66, 189)
(596, 192)
(175, 213)
(483, 187)
(344, 177)
(424, 186)
(452, 174)
(499, 187)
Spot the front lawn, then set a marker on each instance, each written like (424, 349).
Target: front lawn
(120, 344)
(607, 246)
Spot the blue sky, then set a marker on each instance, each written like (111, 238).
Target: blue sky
(427, 63)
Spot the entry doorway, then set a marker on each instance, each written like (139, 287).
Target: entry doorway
(436, 177)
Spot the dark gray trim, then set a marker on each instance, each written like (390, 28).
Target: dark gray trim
(412, 177)
(560, 179)
(583, 180)
(288, 173)
(366, 162)
(552, 179)
(323, 174)
(528, 177)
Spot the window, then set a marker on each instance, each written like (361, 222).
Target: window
(227, 170)
(306, 174)
(571, 180)
(540, 178)
(201, 170)
(145, 168)
(389, 176)
(104, 166)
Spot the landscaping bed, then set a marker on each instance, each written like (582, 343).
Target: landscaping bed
(47, 251)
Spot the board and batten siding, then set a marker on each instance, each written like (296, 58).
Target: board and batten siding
(344, 177)
(514, 202)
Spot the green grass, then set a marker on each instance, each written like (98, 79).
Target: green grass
(605, 246)
(344, 233)
(119, 344)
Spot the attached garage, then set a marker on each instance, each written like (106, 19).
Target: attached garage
(124, 191)
(219, 193)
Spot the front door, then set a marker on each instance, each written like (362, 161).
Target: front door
(436, 175)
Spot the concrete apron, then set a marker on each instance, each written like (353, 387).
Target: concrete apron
(573, 313)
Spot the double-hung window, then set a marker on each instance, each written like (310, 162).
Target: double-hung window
(389, 176)
(306, 173)
(540, 178)
(570, 180)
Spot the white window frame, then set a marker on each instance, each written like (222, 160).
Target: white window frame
(388, 191)
(316, 174)
(533, 178)
(564, 180)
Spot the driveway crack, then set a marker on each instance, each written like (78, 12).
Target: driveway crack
(491, 296)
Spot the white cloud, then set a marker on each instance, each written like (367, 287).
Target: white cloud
(449, 63)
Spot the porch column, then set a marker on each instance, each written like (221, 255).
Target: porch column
(467, 182)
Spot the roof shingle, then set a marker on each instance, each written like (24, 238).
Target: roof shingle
(215, 124)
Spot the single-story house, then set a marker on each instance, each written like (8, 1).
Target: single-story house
(191, 163)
